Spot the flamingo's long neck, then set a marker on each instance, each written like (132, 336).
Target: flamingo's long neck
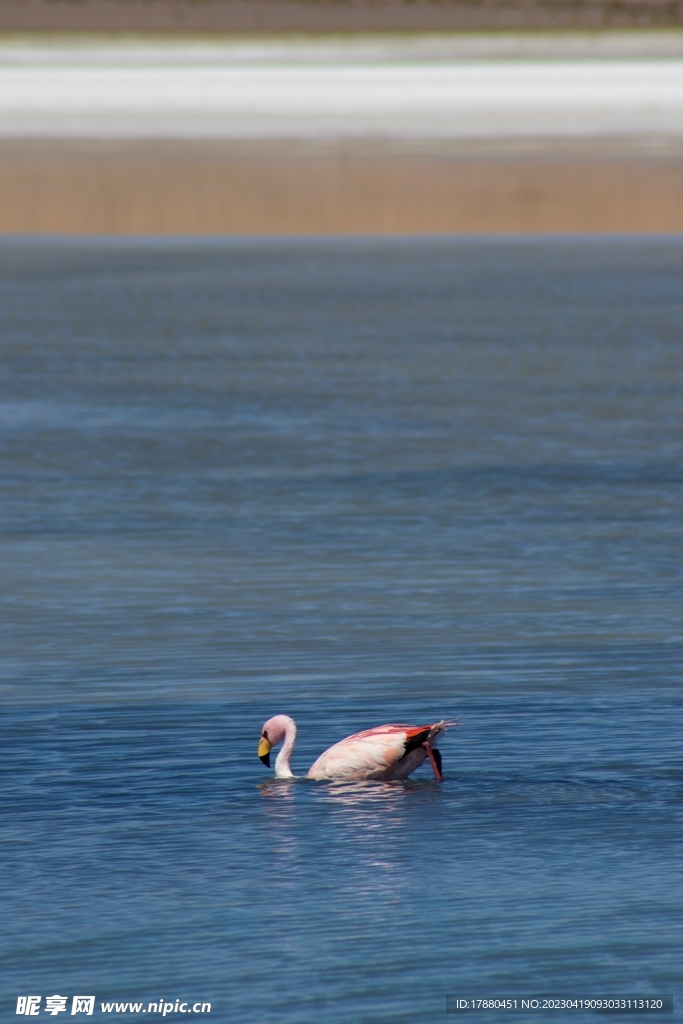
(282, 769)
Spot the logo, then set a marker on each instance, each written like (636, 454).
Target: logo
(29, 1006)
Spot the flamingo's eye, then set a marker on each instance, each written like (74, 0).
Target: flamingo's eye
(265, 734)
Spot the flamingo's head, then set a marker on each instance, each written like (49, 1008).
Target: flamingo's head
(272, 733)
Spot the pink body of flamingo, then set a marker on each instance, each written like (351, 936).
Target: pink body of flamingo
(386, 752)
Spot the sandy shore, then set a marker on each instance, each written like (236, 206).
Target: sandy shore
(260, 188)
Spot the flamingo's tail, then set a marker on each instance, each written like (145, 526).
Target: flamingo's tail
(439, 727)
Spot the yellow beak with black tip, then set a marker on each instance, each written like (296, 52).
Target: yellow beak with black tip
(264, 751)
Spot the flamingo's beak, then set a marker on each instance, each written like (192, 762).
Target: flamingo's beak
(264, 751)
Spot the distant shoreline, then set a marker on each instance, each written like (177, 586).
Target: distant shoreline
(513, 134)
(330, 16)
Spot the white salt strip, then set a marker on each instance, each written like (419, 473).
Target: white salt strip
(253, 99)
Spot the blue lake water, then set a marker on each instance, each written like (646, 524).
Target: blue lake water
(355, 482)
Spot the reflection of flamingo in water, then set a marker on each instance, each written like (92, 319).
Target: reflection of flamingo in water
(385, 752)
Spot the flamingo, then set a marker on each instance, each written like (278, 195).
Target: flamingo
(386, 752)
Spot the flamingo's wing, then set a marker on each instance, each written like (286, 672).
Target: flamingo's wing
(375, 753)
